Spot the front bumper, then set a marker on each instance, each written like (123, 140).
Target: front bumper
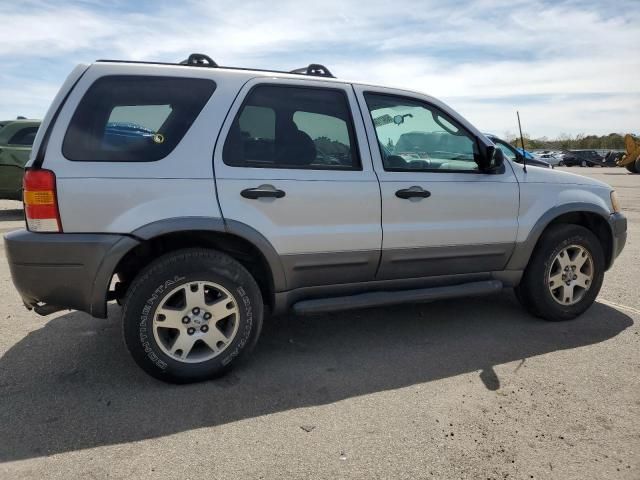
(66, 270)
(618, 224)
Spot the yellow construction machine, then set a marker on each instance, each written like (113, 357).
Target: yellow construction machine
(631, 158)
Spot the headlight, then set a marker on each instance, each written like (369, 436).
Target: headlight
(615, 203)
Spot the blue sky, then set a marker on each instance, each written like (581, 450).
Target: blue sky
(569, 66)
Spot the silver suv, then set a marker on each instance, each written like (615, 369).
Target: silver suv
(202, 197)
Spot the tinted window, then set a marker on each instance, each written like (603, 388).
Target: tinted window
(134, 118)
(293, 127)
(24, 137)
(416, 136)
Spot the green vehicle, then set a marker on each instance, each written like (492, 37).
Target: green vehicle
(16, 139)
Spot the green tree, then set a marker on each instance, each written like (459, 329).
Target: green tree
(612, 141)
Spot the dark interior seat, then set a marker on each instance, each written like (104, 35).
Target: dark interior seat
(294, 147)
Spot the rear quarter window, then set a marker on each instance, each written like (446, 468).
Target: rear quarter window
(126, 118)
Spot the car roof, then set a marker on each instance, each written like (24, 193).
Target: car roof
(20, 120)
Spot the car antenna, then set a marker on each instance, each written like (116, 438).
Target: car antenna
(524, 152)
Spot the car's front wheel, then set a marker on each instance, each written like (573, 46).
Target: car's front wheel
(564, 274)
(191, 315)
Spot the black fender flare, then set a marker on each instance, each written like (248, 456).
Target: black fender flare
(219, 225)
(523, 250)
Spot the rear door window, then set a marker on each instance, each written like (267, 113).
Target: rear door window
(134, 118)
(294, 128)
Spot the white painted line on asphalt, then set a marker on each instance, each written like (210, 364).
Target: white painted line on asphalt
(617, 305)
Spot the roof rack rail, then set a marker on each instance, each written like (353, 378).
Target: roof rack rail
(314, 69)
(199, 60)
(202, 60)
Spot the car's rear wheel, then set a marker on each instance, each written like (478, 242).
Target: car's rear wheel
(191, 315)
(564, 274)
(583, 163)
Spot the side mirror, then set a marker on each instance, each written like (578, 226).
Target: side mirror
(493, 160)
(399, 119)
(498, 158)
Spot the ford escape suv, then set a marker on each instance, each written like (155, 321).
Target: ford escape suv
(201, 197)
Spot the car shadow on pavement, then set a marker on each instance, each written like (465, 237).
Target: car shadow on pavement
(71, 385)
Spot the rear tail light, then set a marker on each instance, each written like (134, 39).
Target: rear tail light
(40, 202)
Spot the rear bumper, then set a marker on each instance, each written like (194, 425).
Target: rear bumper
(65, 270)
(618, 223)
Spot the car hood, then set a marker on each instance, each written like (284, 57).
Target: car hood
(546, 175)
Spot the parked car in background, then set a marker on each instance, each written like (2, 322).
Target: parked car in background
(553, 158)
(514, 154)
(6, 122)
(16, 139)
(612, 158)
(583, 158)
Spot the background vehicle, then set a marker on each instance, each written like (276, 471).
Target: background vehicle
(582, 158)
(631, 158)
(553, 159)
(514, 154)
(16, 139)
(213, 195)
(612, 157)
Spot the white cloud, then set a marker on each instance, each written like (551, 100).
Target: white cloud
(486, 49)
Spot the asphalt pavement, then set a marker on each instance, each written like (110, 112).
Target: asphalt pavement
(471, 388)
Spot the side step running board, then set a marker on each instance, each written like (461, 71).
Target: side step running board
(380, 299)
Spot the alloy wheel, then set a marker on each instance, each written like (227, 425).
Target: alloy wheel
(196, 321)
(571, 275)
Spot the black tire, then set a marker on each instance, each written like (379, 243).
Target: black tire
(561, 163)
(583, 163)
(184, 267)
(631, 167)
(533, 291)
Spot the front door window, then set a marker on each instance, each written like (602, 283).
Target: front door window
(415, 136)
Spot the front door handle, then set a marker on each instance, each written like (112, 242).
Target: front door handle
(263, 191)
(413, 192)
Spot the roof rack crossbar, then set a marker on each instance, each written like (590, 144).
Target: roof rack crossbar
(199, 60)
(315, 70)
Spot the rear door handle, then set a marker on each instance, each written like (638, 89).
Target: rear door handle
(413, 192)
(263, 191)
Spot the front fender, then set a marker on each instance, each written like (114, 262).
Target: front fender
(523, 250)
